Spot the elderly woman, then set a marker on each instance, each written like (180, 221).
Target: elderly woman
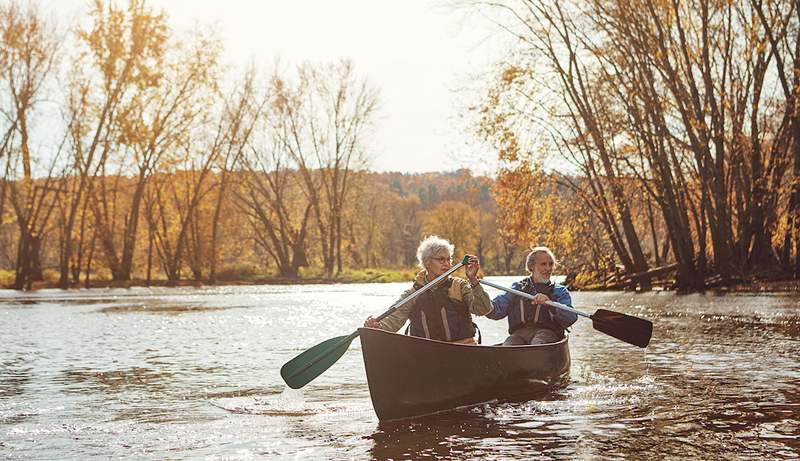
(533, 321)
(443, 312)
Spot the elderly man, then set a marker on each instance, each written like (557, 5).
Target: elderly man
(532, 321)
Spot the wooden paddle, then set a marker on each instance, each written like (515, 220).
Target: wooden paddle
(624, 327)
(302, 369)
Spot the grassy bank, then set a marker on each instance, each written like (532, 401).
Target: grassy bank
(249, 275)
(235, 276)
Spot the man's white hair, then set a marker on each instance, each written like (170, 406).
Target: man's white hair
(532, 255)
(431, 245)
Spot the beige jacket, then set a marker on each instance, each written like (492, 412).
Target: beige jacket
(475, 298)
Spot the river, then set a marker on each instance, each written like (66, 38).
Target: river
(156, 373)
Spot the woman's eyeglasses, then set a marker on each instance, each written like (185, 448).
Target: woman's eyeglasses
(443, 259)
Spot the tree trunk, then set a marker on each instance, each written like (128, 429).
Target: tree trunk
(131, 229)
(22, 276)
(794, 201)
(150, 240)
(653, 234)
(212, 270)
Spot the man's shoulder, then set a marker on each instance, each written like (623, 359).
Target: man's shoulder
(559, 289)
(522, 282)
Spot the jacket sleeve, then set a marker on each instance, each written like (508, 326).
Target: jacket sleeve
(562, 317)
(501, 304)
(397, 319)
(476, 298)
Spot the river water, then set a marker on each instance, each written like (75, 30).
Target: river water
(194, 373)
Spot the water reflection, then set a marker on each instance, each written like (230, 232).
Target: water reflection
(15, 374)
(86, 375)
(110, 381)
(159, 308)
(256, 392)
(467, 435)
(524, 431)
(449, 436)
(752, 324)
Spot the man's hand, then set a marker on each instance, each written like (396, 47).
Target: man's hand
(540, 298)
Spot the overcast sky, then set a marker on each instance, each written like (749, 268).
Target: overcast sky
(420, 54)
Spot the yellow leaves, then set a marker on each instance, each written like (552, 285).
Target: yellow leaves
(127, 46)
(516, 192)
(510, 74)
(534, 210)
(24, 36)
(131, 126)
(455, 221)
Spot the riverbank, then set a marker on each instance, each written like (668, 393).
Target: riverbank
(737, 286)
(381, 276)
(376, 275)
(762, 286)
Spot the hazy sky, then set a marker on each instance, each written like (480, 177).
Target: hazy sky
(419, 54)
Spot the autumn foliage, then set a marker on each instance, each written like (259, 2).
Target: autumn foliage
(673, 125)
(167, 167)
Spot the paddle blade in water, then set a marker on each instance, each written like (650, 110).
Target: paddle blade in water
(302, 369)
(632, 330)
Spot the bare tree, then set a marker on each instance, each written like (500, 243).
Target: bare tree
(177, 230)
(152, 123)
(672, 94)
(242, 112)
(28, 49)
(122, 58)
(270, 194)
(324, 125)
(779, 20)
(590, 132)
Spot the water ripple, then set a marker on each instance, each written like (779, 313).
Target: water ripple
(193, 373)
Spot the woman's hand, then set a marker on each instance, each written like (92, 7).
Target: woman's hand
(372, 323)
(473, 266)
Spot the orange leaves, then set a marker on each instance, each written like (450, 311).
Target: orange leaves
(455, 221)
(512, 74)
(127, 47)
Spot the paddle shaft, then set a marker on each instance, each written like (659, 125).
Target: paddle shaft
(530, 296)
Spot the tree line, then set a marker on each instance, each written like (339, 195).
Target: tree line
(162, 164)
(675, 124)
(636, 139)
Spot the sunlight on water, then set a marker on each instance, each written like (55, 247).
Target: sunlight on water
(159, 373)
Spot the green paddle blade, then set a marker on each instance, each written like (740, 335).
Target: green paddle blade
(632, 330)
(302, 369)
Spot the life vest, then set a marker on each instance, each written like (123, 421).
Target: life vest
(524, 312)
(440, 314)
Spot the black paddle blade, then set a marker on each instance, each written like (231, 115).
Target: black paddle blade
(302, 369)
(632, 330)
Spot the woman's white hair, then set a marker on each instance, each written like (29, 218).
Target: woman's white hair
(536, 250)
(431, 245)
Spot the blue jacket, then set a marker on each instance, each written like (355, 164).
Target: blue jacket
(502, 307)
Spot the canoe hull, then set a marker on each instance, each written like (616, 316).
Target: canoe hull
(411, 377)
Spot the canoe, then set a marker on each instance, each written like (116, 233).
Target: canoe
(410, 377)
